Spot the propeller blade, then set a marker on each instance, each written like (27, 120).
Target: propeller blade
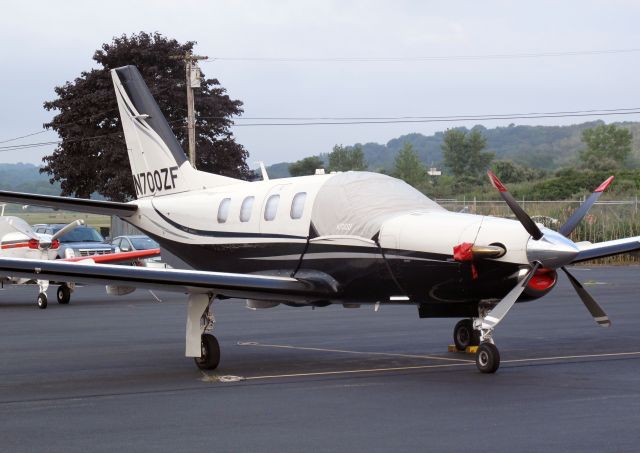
(67, 228)
(577, 216)
(29, 233)
(522, 216)
(499, 311)
(596, 310)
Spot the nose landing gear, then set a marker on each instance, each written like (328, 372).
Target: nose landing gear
(476, 332)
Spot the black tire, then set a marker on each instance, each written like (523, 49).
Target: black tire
(42, 301)
(63, 294)
(487, 358)
(465, 335)
(210, 357)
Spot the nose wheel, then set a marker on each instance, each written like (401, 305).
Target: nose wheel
(487, 358)
(42, 301)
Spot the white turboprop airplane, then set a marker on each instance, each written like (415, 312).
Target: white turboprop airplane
(18, 240)
(346, 238)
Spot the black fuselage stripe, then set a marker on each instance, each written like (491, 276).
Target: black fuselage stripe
(224, 234)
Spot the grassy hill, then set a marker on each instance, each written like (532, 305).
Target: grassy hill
(26, 178)
(544, 147)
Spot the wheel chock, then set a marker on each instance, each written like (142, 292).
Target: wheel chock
(469, 350)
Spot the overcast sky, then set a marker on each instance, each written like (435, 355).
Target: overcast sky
(46, 43)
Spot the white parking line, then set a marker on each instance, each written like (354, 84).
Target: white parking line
(345, 351)
(569, 357)
(369, 370)
(462, 362)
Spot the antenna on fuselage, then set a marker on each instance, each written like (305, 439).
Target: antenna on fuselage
(263, 170)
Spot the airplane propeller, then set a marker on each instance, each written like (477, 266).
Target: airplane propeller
(66, 229)
(43, 244)
(551, 250)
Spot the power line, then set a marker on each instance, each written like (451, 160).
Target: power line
(23, 136)
(505, 56)
(452, 117)
(56, 142)
(369, 120)
(443, 119)
(60, 125)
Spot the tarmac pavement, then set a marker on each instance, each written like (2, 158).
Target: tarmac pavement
(107, 374)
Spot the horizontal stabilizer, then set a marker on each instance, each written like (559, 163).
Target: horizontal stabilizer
(70, 204)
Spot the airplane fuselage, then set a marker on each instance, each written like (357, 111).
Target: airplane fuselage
(396, 249)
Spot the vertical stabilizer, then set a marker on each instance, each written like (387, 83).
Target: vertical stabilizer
(158, 163)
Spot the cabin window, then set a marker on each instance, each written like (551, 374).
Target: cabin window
(271, 207)
(245, 209)
(223, 210)
(297, 205)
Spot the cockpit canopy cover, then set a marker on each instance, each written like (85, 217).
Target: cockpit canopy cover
(358, 203)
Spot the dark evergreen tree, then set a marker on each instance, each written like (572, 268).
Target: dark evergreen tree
(92, 156)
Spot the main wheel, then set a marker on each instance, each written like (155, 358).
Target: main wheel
(487, 358)
(63, 294)
(465, 335)
(42, 301)
(210, 353)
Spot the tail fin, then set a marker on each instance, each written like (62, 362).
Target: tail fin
(158, 163)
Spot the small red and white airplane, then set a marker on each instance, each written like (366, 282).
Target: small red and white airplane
(346, 238)
(18, 240)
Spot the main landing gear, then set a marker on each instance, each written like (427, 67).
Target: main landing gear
(474, 332)
(201, 344)
(63, 294)
(210, 353)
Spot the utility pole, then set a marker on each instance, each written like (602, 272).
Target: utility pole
(192, 81)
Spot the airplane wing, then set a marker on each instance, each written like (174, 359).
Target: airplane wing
(121, 257)
(608, 248)
(263, 287)
(71, 204)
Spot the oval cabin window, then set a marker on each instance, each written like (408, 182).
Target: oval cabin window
(245, 209)
(297, 205)
(223, 210)
(271, 208)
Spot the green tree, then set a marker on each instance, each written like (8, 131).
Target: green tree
(306, 166)
(407, 166)
(608, 146)
(509, 171)
(92, 156)
(463, 152)
(346, 158)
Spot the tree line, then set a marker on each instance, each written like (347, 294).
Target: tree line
(466, 160)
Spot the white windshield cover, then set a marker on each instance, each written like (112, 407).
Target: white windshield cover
(358, 203)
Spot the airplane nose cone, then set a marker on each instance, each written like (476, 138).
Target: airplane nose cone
(553, 250)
